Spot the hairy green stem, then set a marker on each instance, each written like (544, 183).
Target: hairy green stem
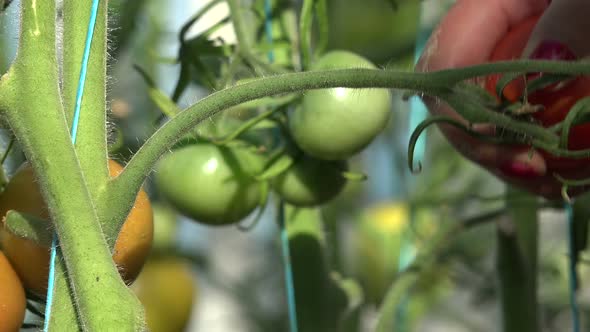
(456, 75)
(91, 143)
(30, 102)
(516, 264)
(305, 32)
(64, 316)
(124, 187)
(323, 25)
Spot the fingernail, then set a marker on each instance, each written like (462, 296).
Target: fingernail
(553, 50)
(518, 169)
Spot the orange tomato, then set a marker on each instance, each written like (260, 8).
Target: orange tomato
(31, 260)
(12, 298)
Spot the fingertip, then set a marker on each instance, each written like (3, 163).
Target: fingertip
(470, 30)
(523, 165)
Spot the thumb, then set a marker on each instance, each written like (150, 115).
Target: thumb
(564, 21)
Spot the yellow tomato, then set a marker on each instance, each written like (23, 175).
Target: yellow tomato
(166, 288)
(386, 241)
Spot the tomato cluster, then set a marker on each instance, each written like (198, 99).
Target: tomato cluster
(31, 260)
(556, 99)
(221, 183)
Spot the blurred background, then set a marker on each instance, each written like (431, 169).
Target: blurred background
(371, 232)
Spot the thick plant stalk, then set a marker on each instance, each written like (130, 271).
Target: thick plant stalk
(91, 142)
(31, 104)
(516, 264)
(64, 311)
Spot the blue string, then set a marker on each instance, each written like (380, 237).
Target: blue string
(572, 267)
(289, 284)
(268, 29)
(74, 134)
(288, 269)
(84, 69)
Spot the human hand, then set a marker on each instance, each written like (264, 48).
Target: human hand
(468, 35)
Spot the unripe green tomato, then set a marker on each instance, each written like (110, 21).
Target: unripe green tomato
(334, 124)
(310, 181)
(210, 184)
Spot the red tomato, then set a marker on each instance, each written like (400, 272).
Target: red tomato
(557, 99)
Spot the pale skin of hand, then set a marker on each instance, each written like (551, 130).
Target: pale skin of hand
(467, 36)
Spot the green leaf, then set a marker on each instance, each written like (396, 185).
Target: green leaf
(166, 105)
(544, 81)
(277, 165)
(353, 290)
(29, 227)
(249, 125)
(354, 176)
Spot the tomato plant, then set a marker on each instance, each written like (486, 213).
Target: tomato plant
(336, 123)
(166, 288)
(211, 184)
(12, 298)
(310, 181)
(556, 99)
(31, 260)
(221, 181)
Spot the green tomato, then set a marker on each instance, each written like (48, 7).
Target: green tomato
(334, 124)
(310, 181)
(211, 184)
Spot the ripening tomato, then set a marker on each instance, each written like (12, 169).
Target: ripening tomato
(310, 181)
(211, 184)
(13, 302)
(334, 124)
(31, 260)
(166, 288)
(557, 99)
(385, 242)
(384, 239)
